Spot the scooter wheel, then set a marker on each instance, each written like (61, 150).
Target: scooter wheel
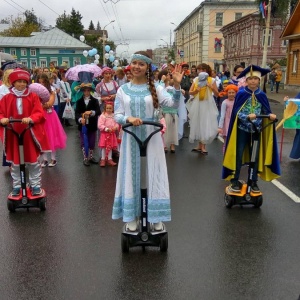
(125, 243)
(43, 204)
(259, 201)
(11, 206)
(164, 243)
(228, 200)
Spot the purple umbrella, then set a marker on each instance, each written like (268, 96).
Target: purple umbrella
(12, 65)
(40, 90)
(72, 73)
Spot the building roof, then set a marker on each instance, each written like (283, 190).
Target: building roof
(53, 38)
(290, 29)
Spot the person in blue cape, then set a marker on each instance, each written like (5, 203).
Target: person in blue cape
(249, 102)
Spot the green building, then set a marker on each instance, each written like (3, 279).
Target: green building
(41, 48)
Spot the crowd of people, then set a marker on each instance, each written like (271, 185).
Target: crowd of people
(211, 103)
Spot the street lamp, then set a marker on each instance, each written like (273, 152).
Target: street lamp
(165, 42)
(103, 36)
(173, 24)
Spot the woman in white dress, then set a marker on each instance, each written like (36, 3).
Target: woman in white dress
(203, 111)
(136, 101)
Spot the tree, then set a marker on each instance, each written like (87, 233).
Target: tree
(91, 26)
(70, 24)
(98, 26)
(4, 21)
(20, 28)
(279, 7)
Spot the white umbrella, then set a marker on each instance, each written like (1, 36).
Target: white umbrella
(5, 57)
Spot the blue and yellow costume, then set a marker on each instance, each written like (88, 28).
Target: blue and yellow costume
(268, 160)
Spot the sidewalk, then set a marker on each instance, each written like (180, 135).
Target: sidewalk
(281, 94)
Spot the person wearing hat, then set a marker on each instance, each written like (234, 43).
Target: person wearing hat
(86, 114)
(20, 103)
(249, 102)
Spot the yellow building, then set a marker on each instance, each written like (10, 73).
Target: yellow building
(198, 38)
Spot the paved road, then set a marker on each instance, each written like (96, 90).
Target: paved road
(72, 251)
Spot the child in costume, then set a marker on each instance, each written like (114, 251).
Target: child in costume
(108, 139)
(249, 102)
(20, 103)
(226, 110)
(54, 130)
(86, 114)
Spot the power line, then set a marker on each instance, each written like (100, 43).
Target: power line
(18, 4)
(50, 8)
(13, 6)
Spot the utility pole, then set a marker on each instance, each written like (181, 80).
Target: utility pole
(265, 51)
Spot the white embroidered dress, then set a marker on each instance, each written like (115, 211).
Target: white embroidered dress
(136, 100)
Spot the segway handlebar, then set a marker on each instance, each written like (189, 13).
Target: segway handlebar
(262, 117)
(143, 144)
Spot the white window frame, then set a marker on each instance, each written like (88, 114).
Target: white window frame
(76, 61)
(66, 60)
(32, 52)
(33, 63)
(13, 51)
(270, 37)
(218, 18)
(23, 52)
(295, 62)
(24, 62)
(219, 48)
(43, 63)
(2, 50)
(55, 60)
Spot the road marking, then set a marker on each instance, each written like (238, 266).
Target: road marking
(285, 190)
(279, 185)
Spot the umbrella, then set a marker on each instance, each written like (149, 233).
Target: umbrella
(85, 140)
(41, 91)
(72, 73)
(11, 65)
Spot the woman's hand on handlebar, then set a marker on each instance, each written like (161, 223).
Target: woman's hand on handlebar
(4, 121)
(26, 120)
(272, 117)
(251, 117)
(135, 121)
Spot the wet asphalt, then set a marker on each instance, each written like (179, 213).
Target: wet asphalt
(73, 250)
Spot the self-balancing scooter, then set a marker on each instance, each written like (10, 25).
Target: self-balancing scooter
(25, 199)
(246, 196)
(145, 235)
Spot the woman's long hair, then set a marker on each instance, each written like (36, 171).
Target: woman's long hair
(150, 81)
(46, 81)
(205, 68)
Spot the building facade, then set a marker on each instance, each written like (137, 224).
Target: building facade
(291, 33)
(42, 48)
(160, 56)
(244, 41)
(198, 38)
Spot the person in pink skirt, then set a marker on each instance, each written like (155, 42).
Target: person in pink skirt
(108, 139)
(226, 109)
(54, 130)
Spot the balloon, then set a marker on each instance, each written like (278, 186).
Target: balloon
(97, 56)
(96, 61)
(90, 52)
(107, 48)
(111, 52)
(111, 58)
(94, 50)
(82, 38)
(85, 53)
(106, 55)
(116, 62)
(115, 68)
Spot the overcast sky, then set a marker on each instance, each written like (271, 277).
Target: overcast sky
(140, 23)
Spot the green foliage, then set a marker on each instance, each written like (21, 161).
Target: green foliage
(91, 26)
(171, 54)
(71, 23)
(4, 21)
(98, 26)
(20, 28)
(279, 7)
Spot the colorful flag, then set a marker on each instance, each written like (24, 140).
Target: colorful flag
(262, 9)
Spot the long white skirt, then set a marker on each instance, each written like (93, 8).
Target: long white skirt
(171, 134)
(203, 120)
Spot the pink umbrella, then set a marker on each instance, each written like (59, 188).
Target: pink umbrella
(40, 90)
(72, 73)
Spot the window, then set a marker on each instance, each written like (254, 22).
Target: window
(238, 16)
(219, 19)
(284, 43)
(54, 60)
(43, 62)
(13, 51)
(269, 39)
(23, 52)
(33, 63)
(218, 45)
(1, 50)
(65, 61)
(295, 62)
(32, 52)
(24, 62)
(76, 61)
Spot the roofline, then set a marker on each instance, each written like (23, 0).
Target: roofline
(289, 21)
